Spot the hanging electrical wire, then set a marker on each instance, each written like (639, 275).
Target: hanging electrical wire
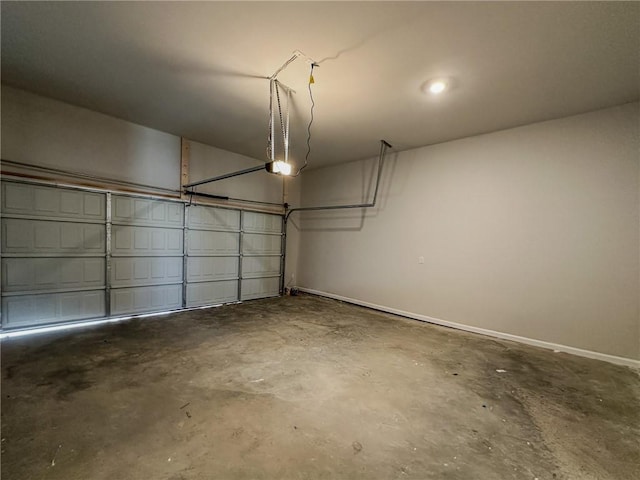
(313, 104)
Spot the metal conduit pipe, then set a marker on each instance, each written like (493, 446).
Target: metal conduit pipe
(383, 149)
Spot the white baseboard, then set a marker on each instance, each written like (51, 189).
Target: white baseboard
(628, 362)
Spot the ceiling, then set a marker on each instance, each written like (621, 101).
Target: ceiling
(198, 69)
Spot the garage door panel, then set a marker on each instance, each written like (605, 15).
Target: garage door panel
(25, 199)
(256, 244)
(261, 261)
(144, 211)
(140, 241)
(145, 299)
(261, 223)
(29, 309)
(55, 261)
(212, 293)
(213, 250)
(52, 308)
(211, 218)
(203, 242)
(17, 198)
(260, 266)
(36, 274)
(260, 288)
(132, 271)
(146, 256)
(200, 269)
(49, 237)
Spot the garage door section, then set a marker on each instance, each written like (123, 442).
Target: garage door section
(72, 254)
(213, 255)
(53, 254)
(261, 255)
(146, 255)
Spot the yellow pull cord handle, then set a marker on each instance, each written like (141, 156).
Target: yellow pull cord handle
(311, 79)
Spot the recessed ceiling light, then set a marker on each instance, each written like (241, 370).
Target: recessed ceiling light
(435, 86)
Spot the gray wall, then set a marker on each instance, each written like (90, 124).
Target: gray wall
(293, 195)
(42, 131)
(532, 231)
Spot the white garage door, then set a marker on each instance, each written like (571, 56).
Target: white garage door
(72, 254)
(213, 255)
(146, 255)
(232, 255)
(261, 255)
(53, 254)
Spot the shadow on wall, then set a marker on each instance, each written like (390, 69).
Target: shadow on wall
(352, 219)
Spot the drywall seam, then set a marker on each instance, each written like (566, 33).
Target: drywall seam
(628, 362)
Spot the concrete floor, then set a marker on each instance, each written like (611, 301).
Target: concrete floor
(309, 388)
